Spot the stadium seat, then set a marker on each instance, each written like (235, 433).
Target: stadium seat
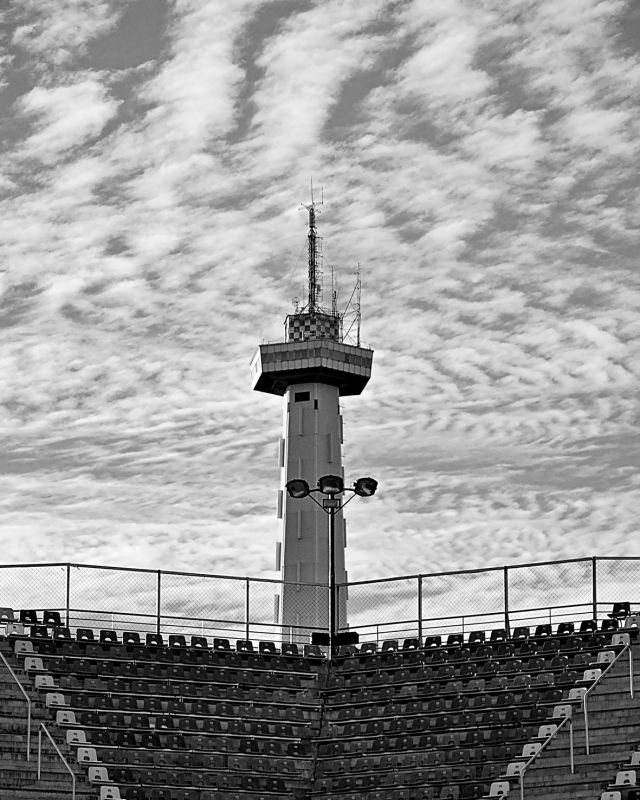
(51, 618)
(542, 631)
(267, 648)
(565, 629)
(154, 640)
(6, 615)
(612, 795)
(455, 640)
(244, 646)
(499, 789)
(130, 638)
(521, 632)
(221, 645)
(432, 641)
(29, 617)
(620, 611)
(61, 633)
(476, 638)
(587, 627)
(39, 632)
(626, 777)
(608, 625)
(499, 635)
(110, 793)
(290, 650)
(84, 635)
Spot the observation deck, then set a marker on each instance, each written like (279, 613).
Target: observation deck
(274, 367)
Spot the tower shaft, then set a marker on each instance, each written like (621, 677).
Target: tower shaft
(310, 448)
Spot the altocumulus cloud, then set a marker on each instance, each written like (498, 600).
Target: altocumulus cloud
(478, 160)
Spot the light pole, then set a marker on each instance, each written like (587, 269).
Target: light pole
(332, 486)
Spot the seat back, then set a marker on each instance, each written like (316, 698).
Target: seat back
(544, 731)
(87, 755)
(98, 775)
(565, 629)
(620, 610)
(626, 777)
(620, 639)
(514, 769)
(606, 657)
(110, 793)
(591, 675)
(499, 789)
(530, 749)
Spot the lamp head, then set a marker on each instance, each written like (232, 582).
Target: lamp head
(331, 484)
(297, 488)
(365, 487)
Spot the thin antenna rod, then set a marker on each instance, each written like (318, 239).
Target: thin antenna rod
(358, 307)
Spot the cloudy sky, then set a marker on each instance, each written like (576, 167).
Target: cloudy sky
(479, 159)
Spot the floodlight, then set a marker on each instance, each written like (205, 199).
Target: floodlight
(297, 488)
(365, 487)
(331, 484)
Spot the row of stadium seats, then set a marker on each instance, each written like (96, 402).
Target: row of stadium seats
(480, 637)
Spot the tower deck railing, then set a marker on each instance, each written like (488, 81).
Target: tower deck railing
(166, 601)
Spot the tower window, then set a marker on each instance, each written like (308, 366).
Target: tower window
(300, 397)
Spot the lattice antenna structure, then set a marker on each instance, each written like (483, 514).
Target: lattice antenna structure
(351, 317)
(315, 255)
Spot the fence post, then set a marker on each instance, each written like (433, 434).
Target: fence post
(507, 624)
(158, 601)
(246, 608)
(68, 596)
(420, 609)
(594, 587)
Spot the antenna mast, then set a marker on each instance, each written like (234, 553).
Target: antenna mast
(314, 249)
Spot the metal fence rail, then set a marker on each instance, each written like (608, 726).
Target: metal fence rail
(165, 601)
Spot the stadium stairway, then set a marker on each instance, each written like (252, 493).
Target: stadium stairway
(614, 730)
(18, 777)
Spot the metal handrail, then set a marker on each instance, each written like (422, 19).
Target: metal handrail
(27, 698)
(591, 688)
(43, 727)
(553, 735)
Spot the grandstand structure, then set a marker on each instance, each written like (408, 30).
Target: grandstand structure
(105, 702)
(132, 684)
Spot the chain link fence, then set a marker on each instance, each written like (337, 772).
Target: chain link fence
(263, 609)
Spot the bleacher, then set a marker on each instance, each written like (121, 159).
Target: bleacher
(190, 718)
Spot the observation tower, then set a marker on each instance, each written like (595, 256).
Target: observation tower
(311, 369)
